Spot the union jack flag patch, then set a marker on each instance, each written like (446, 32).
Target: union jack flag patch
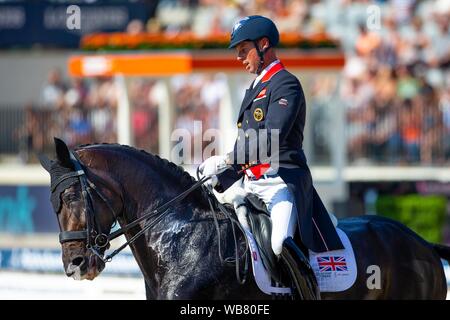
(334, 263)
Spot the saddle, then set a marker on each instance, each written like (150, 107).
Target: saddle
(293, 261)
(261, 228)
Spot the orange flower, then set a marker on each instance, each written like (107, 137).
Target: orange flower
(187, 40)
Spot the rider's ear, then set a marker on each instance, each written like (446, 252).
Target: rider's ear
(264, 43)
(62, 153)
(45, 161)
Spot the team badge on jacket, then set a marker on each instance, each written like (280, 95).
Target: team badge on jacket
(258, 114)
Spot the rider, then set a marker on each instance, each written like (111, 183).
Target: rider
(275, 100)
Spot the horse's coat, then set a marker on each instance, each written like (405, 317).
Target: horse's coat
(179, 256)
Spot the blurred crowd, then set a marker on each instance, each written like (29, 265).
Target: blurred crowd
(82, 111)
(77, 111)
(197, 105)
(395, 85)
(396, 81)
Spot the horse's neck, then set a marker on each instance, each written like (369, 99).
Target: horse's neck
(145, 256)
(185, 235)
(138, 196)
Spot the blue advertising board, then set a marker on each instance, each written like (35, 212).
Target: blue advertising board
(26, 209)
(26, 23)
(49, 260)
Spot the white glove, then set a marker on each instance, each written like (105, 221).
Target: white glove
(213, 166)
(212, 182)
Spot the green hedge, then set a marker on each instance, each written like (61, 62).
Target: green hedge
(423, 214)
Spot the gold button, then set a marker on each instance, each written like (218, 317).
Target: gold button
(239, 125)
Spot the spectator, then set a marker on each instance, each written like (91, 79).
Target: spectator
(394, 84)
(53, 90)
(135, 27)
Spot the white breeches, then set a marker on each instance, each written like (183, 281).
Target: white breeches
(280, 203)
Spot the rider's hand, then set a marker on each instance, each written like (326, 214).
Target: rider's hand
(211, 182)
(213, 166)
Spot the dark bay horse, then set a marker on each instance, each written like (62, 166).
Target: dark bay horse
(179, 254)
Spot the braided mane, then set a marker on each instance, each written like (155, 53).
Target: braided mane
(182, 177)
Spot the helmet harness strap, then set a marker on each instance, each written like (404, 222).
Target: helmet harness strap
(261, 56)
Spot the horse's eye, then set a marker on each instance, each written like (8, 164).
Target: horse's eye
(69, 197)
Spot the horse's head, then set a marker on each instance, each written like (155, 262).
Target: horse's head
(86, 209)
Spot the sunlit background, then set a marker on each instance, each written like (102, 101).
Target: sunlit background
(375, 75)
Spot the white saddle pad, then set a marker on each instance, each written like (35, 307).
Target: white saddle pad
(262, 277)
(335, 270)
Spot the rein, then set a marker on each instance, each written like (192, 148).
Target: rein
(152, 214)
(96, 239)
(233, 221)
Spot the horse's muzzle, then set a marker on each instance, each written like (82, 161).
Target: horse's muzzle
(82, 267)
(77, 268)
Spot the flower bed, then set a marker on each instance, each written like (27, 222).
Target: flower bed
(148, 41)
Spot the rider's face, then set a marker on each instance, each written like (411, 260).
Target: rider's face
(247, 54)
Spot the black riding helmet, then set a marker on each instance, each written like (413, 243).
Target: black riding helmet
(252, 28)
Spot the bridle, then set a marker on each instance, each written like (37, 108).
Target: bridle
(95, 238)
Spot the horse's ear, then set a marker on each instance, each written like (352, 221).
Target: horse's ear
(45, 161)
(62, 153)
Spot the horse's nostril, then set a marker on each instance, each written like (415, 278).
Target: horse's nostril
(78, 261)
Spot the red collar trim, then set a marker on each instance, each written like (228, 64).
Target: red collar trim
(272, 71)
(259, 170)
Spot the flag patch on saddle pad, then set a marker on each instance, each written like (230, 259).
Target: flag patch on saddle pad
(283, 102)
(335, 270)
(332, 263)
